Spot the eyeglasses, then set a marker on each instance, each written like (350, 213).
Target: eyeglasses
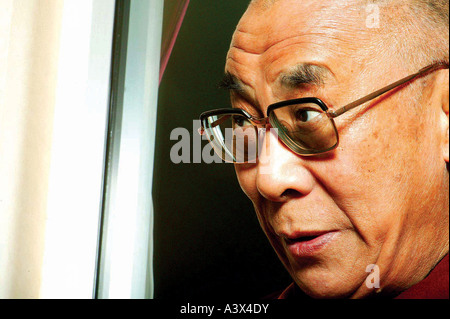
(304, 125)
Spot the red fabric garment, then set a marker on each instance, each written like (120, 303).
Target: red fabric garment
(289, 292)
(434, 286)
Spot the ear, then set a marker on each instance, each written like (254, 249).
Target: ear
(444, 93)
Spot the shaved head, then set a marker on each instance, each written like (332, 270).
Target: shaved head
(422, 24)
(413, 33)
(383, 191)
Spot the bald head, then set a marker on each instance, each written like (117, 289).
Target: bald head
(419, 28)
(435, 7)
(423, 25)
(373, 189)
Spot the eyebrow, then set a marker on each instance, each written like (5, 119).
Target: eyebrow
(305, 74)
(299, 75)
(231, 83)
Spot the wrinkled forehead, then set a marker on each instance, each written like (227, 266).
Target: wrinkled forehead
(266, 23)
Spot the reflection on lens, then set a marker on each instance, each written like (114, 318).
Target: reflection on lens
(305, 127)
(233, 137)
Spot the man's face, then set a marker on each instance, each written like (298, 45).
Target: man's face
(373, 199)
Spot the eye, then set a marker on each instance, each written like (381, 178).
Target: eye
(305, 115)
(240, 121)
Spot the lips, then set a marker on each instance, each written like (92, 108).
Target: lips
(304, 244)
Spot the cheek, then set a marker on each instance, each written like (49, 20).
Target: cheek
(365, 176)
(374, 170)
(376, 148)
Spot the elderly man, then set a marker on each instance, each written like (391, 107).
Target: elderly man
(340, 138)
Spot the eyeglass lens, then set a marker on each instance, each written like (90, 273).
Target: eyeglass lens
(233, 137)
(305, 128)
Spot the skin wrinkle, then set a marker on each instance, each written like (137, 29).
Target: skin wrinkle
(402, 182)
(352, 265)
(351, 194)
(314, 92)
(303, 75)
(410, 18)
(340, 207)
(272, 46)
(317, 22)
(410, 95)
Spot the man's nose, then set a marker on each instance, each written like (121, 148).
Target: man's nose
(281, 173)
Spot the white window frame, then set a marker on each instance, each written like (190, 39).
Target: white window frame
(126, 253)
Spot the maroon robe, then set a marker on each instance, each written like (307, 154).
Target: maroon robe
(434, 286)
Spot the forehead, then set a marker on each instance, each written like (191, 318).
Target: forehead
(308, 28)
(271, 23)
(286, 17)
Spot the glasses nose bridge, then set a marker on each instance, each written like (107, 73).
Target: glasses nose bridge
(263, 127)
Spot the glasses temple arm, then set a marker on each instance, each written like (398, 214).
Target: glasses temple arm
(201, 130)
(220, 120)
(387, 88)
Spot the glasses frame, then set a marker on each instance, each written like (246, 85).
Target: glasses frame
(258, 122)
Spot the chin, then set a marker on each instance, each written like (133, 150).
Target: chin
(328, 285)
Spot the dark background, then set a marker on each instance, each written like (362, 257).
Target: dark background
(207, 240)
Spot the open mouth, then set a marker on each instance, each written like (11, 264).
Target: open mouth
(308, 244)
(290, 241)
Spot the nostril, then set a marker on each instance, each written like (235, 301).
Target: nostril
(291, 193)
